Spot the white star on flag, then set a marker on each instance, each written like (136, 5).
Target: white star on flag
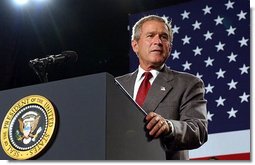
(186, 40)
(243, 42)
(185, 15)
(208, 35)
(209, 62)
(230, 5)
(220, 73)
(241, 15)
(209, 116)
(244, 97)
(176, 54)
(232, 84)
(209, 88)
(199, 75)
(219, 20)
(196, 25)
(197, 51)
(232, 57)
(231, 30)
(175, 29)
(165, 17)
(186, 66)
(244, 69)
(220, 46)
(207, 10)
(220, 101)
(232, 113)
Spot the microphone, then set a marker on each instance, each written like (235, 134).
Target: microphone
(64, 57)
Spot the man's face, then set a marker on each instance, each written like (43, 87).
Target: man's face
(153, 48)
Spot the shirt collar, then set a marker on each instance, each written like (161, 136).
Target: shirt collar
(154, 72)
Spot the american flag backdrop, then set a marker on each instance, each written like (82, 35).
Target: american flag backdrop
(212, 41)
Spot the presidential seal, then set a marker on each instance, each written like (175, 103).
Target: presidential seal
(28, 127)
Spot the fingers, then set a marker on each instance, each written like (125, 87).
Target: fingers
(150, 116)
(158, 129)
(156, 125)
(152, 119)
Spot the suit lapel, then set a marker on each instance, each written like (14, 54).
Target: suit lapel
(129, 83)
(159, 89)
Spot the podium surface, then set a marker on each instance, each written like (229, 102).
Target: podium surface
(95, 121)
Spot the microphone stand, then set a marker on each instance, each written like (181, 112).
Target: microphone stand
(40, 65)
(39, 68)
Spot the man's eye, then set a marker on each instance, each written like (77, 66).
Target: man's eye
(165, 37)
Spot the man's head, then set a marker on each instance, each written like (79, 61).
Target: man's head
(152, 41)
(136, 31)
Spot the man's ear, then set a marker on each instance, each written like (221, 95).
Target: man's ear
(134, 44)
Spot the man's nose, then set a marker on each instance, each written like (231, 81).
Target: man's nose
(157, 40)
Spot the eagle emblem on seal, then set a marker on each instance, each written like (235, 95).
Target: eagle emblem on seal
(28, 130)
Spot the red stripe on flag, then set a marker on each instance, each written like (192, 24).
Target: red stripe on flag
(241, 156)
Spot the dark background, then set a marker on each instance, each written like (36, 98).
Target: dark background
(96, 29)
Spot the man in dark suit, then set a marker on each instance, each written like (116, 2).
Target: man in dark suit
(175, 100)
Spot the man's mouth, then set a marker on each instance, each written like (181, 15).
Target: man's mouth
(157, 50)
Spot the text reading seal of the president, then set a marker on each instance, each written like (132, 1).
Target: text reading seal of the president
(28, 127)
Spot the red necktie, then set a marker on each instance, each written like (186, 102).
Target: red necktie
(143, 89)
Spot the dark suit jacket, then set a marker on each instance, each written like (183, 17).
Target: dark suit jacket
(179, 97)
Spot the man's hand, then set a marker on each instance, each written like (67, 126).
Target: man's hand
(156, 125)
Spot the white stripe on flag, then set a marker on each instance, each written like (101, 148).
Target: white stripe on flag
(224, 144)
